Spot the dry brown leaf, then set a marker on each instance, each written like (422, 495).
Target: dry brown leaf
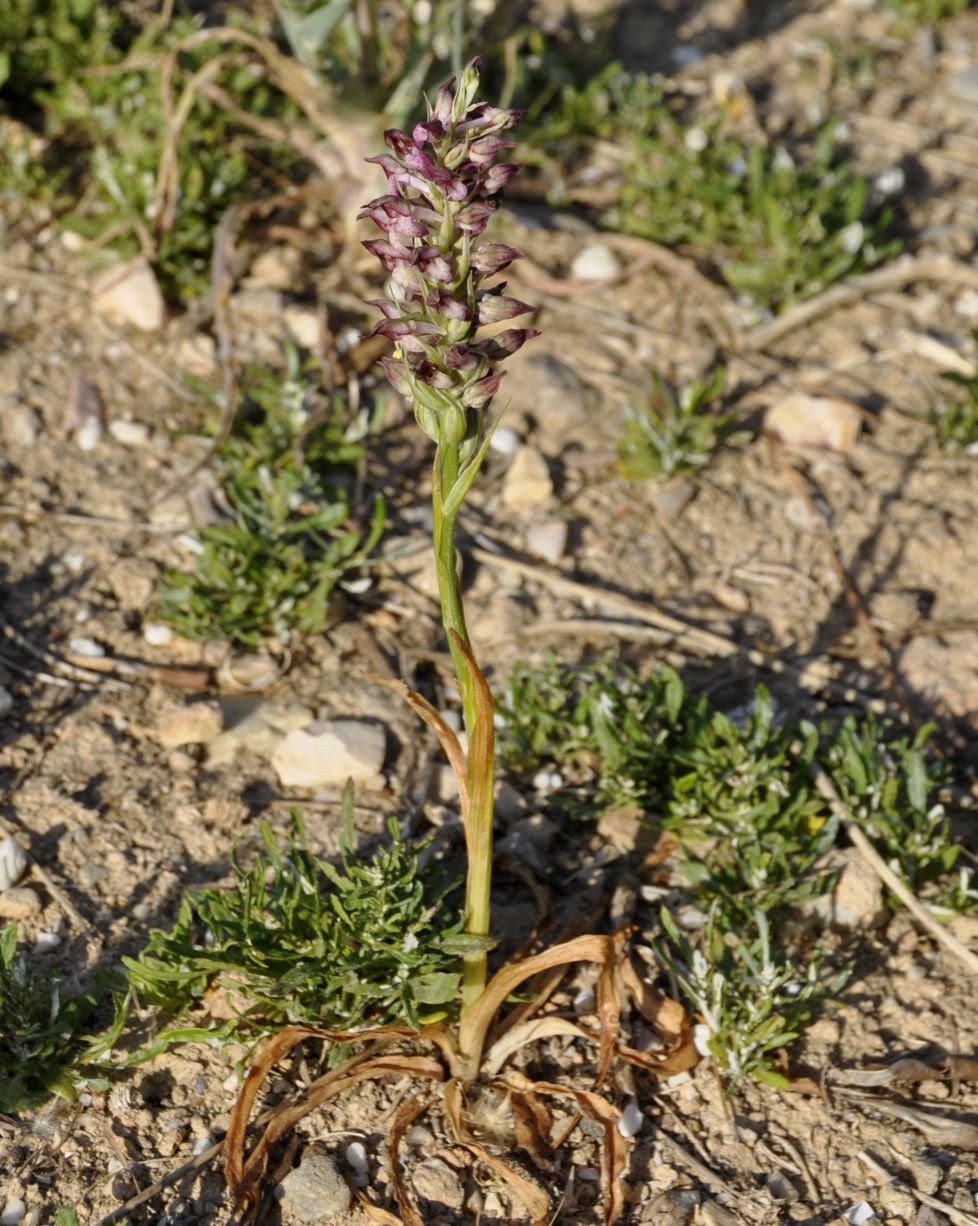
(404, 1117)
(908, 1069)
(383, 1217)
(961, 1068)
(670, 1021)
(446, 737)
(530, 1194)
(529, 1032)
(476, 1022)
(243, 1175)
(614, 1152)
(532, 1125)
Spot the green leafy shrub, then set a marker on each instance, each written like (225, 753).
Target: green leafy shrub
(40, 1031)
(752, 1000)
(288, 473)
(956, 421)
(297, 940)
(777, 225)
(674, 432)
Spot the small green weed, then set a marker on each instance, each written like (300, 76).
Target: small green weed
(928, 12)
(752, 1000)
(674, 432)
(956, 421)
(288, 472)
(778, 225)
(297, 940)
(40, 1031)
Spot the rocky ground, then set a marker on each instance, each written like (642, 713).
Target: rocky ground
(840, 574)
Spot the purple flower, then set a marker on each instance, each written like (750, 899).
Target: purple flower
(443, 184)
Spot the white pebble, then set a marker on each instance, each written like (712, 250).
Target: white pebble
(13, 863)
(201, 1144)
(46, 941)
(630, 1124)
(505, 441)
(191, 543)
(966, 304)
(701, 1039)
(595, 263)
(859, 1213)
(129, 433)
(81, 646)
(547, 781)
(890, 182)
(6, 701)
(356, 1156)
(89, 434)
(13, 1211)
(584, 1001)
(157, 635)
(74, 563)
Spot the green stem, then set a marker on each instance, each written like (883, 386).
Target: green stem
(478, 714)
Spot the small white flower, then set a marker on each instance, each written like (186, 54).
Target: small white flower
(851, 237)
(410, 943)
(696, 140)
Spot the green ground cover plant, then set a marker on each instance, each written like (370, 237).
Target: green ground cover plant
(41, 1031)
(297, 939)
(288, 472)
(777, 223)
(955, 421)
(676, 431)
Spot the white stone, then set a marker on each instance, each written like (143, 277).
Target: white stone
(89, 434)
(195, 724)
(19, 903)
(303, 325)
(46, 942)
(13, 863)
(356, 1156)
(504, 441)
(527, 484)
(859, 1214)
(129, 433)
(631, 1120)
(81, 646)
(157, 635)
(595, 263)
(259, 732)
(547, 540)
(827, 422)
(6, 701)
(13, 1212)
(131, 293)
(327, 753)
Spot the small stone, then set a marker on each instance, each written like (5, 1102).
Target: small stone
(6, 701)
(419, 1136)
(966, 304)
(259, 732)
(356, 1156)
(504, 441)
(624, 828)
(304, 325)
(181, 762)
(781, 1188)
(632, 1119)
(197, 355)
(129, 433)
(539, 831)
(13, 863)
(672, 497)
(249, 672)
(19, 903)
(89, 434)
(547, 540)
(435, 1181)
(46, 942)
(964, 90)
(13, 1212)
(132, 294)
(316, 1190)
(673, 1208)
(275, 268)
(195, 724)
(927, 1175)
(857, 900)
(327, 753)
(595, 263)
(80, 645)
(157, 634)
(23, 426)
(527, 484)
(827, 422)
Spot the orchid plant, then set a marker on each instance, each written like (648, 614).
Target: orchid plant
(443, 185)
